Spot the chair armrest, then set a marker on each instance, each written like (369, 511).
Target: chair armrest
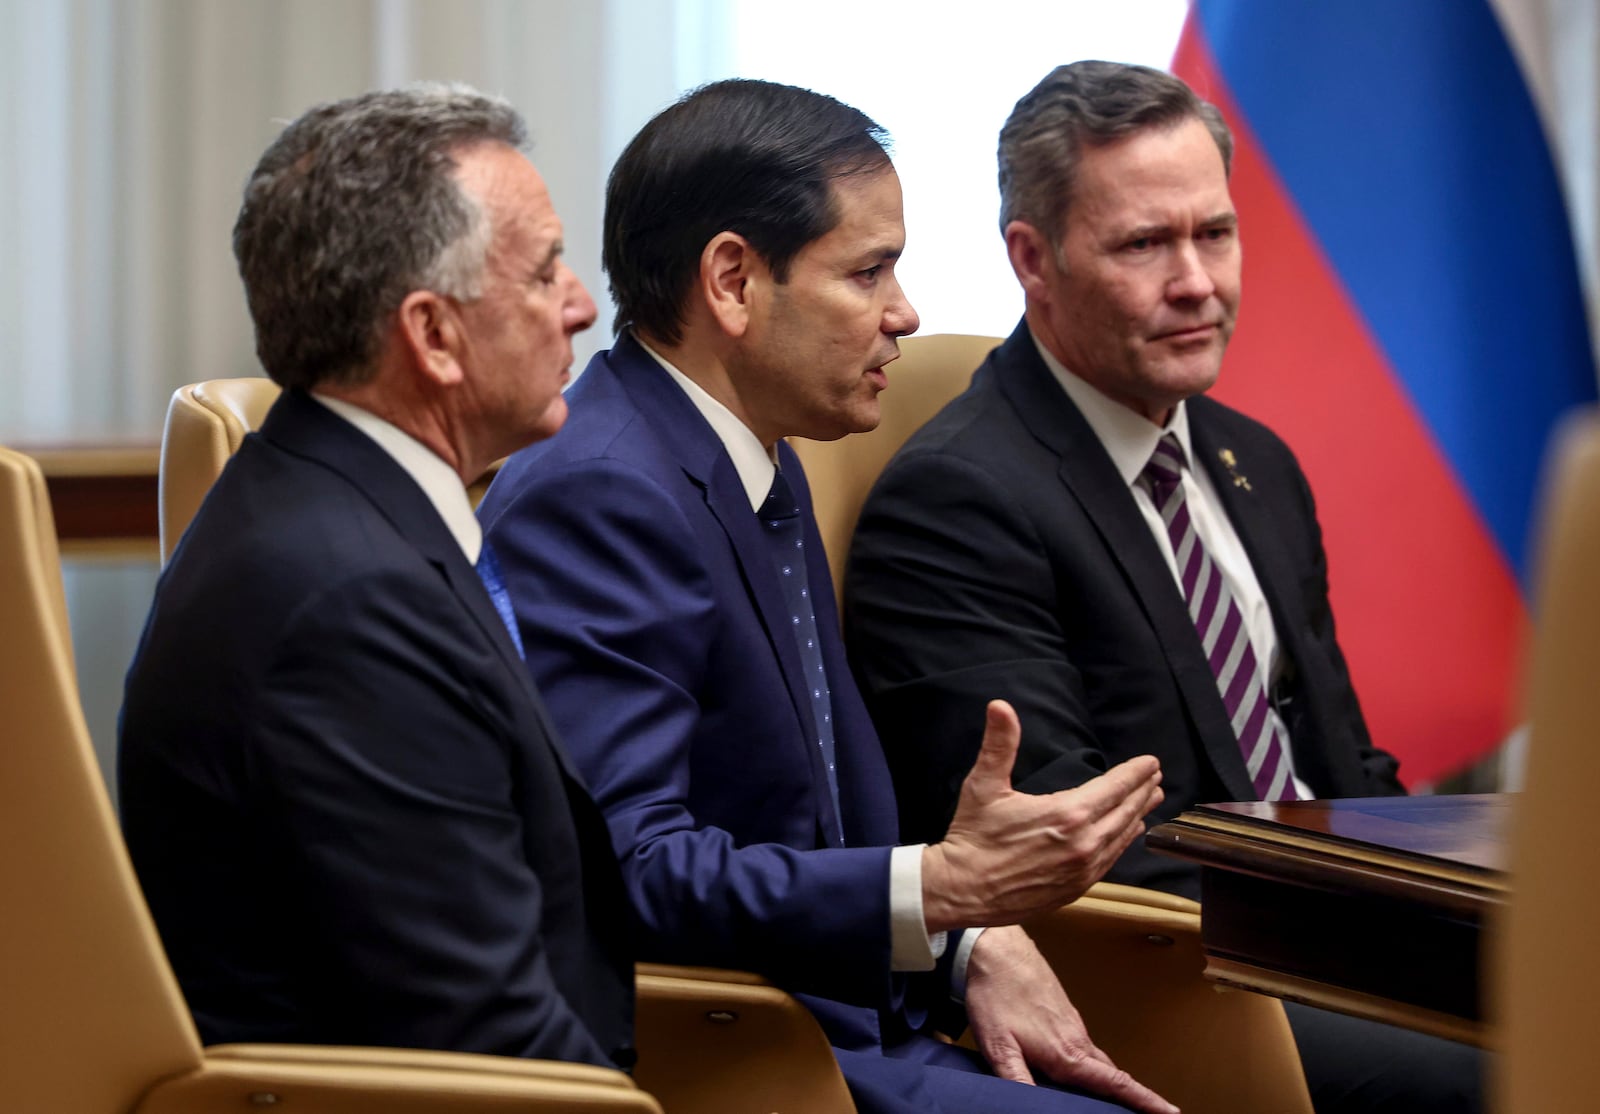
(307, 1080)
(714, 1041)
(1136, 895)
(345, 1056)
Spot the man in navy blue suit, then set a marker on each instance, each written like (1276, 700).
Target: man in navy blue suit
(677, 614)
(351, 818)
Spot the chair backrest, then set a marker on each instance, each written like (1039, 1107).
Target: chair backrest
(205, 424)
(930, 372)
(90, 1015)
(1546, 969)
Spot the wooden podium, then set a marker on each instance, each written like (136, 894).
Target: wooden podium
(1373, 907)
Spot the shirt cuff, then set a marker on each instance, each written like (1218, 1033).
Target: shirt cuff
(958, 968)
(911, 946)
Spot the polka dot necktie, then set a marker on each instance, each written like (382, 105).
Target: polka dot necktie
(782, 528)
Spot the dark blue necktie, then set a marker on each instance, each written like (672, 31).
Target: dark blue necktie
(489, 572)
(781, 526)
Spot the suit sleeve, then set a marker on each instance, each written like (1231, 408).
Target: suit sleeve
(618, 618)
(384, 773)
(950, 602)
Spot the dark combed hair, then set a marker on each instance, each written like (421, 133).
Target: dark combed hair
(748, 157)
(1086, 104)
(351, 208)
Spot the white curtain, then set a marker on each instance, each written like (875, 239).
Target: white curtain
(128, 128)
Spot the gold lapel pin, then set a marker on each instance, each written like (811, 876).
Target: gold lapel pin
(1230, 462)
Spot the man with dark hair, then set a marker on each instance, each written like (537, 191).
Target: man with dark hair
(1137, 568)
(349, 814)
(675, 605)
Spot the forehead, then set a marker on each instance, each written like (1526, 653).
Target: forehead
(510, 190)
(870, 215)
(1150, 176)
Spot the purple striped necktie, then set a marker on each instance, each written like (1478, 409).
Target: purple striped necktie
(1220, 624)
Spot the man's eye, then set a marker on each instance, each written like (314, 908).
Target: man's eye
(1142, 243)
(870, 273)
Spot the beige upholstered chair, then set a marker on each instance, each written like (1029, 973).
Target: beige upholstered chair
(1545, 969)
(1132, 963)
(1130, 959)
(91, 1018)
(710, 1041)
(205, 424)
(930, 372)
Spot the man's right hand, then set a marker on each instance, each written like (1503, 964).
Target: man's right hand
(1009, 855)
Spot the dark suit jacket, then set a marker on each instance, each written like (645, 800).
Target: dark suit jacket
(342, 796)
(657, 631)
(1001, 555)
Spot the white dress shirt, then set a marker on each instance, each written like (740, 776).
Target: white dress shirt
(1130, 439)
(912, 947)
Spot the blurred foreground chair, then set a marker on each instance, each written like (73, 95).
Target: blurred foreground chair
(91, 1018)
(1130, 959)
(709, 1041)
(1545, 970)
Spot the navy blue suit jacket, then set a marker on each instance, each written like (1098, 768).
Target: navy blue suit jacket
(1001, 554)
(342, 796)
(657, 631)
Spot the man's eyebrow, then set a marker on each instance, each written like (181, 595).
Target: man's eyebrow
(882, 254)
(1228, 218)
(556, 250)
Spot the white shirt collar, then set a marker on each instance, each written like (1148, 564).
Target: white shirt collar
(1128, 438)
(437, 479)
(755, 465)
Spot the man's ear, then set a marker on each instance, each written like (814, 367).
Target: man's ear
(727, 266)
(431, 332)
(1033, 259)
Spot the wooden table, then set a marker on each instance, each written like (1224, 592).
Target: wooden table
(1373, 907)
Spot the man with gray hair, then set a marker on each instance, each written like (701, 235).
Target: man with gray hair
(346, 806)
(1138, 569)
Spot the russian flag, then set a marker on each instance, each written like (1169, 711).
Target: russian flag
(1412, 324)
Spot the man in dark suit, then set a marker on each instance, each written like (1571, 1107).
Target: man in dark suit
(675, 604)
(347, 808)
(1137, 568)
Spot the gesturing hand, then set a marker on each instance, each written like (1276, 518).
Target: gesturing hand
(1009, 855)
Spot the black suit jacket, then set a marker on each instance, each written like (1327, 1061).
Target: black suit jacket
(1001, 555)
(342, 796)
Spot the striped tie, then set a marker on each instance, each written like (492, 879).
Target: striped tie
(1221, 627)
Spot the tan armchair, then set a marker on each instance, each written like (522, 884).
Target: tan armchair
(709, 1041)
(1544, 973)
(1130, 959)
(91, 1018)
(206, 422)
(930, 372)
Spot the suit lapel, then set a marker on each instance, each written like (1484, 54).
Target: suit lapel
(1093, 481)
(689, 438)
(301, 425)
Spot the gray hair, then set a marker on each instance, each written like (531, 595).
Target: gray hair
(354, 206)
(1086, 104)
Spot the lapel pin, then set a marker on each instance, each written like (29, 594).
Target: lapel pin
(1230, 462)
